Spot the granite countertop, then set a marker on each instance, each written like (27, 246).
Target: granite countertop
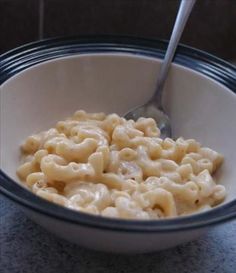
(28, 248)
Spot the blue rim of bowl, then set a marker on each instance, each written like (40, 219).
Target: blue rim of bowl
(21, 58)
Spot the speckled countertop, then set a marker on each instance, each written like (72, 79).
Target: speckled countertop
(28, 248)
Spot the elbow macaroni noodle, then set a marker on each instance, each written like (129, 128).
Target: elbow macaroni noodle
(110, 166)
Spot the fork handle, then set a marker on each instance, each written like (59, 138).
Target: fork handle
(184, 11)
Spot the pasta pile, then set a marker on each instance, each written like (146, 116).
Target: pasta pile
(110, 166)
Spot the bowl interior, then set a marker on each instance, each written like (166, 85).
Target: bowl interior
(38, 97)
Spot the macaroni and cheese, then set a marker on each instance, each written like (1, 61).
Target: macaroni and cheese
(110, 166)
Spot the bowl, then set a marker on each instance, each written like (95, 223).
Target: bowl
(43, 82)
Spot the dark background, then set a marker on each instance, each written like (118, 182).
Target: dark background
(211, 27)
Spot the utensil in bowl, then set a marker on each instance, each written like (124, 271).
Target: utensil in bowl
(153, 108)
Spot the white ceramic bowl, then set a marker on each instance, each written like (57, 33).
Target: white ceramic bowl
(44, 82)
